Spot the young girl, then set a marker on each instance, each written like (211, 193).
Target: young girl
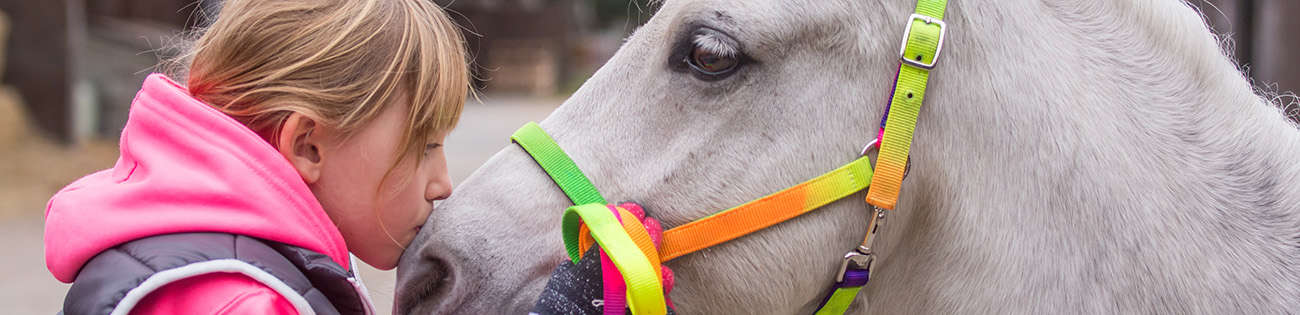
(305, 130)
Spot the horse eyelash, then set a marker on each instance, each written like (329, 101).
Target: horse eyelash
(712, 43)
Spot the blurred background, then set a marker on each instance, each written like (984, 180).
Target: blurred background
(70, 68)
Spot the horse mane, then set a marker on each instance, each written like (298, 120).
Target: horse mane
(1287, 101)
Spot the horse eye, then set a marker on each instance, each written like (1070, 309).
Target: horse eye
(710, 63)
(708, 55)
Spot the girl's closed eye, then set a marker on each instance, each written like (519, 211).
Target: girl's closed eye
(430, 147)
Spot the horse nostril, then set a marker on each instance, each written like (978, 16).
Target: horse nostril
(420, 289)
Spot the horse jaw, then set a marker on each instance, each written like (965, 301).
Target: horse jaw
(1048, 174)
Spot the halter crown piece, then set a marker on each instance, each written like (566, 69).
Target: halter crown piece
(626, 246)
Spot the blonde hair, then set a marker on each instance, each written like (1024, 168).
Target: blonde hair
(337, 62)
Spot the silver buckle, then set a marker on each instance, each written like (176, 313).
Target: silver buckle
(857, 260)
(907, 34)
(863, 257)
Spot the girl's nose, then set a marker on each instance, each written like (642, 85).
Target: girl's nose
(439, 186)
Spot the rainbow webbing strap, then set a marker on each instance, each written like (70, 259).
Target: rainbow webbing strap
(922, 43)
(921, 47)
(769, 210)
(630, 248)
(721, 226)
(625, 242)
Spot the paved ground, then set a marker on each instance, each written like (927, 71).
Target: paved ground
(31, 170)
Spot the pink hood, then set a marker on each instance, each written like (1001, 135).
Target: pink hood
(184, 167)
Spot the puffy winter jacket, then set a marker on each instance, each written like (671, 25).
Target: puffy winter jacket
(185, 167)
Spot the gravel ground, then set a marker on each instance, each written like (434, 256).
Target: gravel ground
(32, 169)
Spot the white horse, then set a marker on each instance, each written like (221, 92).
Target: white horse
(1076, 156)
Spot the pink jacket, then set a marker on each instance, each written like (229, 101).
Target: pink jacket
(187, 167)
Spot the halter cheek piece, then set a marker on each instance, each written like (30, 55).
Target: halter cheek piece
(625, 246)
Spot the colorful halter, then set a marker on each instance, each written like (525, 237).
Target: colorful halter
(625, 244)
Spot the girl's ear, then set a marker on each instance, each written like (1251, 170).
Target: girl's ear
(299, 140)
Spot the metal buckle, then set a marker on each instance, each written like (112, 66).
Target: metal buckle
(907, 34)
(863, 257)
(873, 228)
(857, 260)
